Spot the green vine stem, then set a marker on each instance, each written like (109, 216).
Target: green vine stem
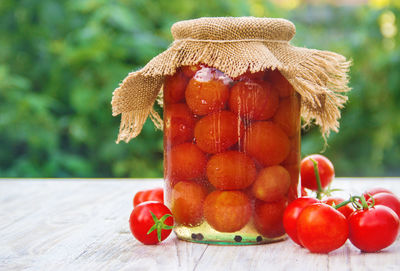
(317, 177)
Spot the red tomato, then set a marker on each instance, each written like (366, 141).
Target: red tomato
(187, 203)
(288, 115)
(178, 124)
(280, 83)
(174, 88)
(218, 131)
(227, 211)
(293, 157)
(231, 170)
(267, 143)
(268, 218)
(151, 222)
(207, 91)
(325, 168)
(185, 162)
(156, 194)
(191, 70)
(292, 213)
(254, 100)
(321, 228)
(248, 76)
(388, 200)
(374, 191)
(346, 210)
(373, 229)
(272, 184)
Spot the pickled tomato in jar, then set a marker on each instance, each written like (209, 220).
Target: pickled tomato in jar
(231, 154)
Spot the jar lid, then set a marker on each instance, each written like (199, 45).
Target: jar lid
(234, 28)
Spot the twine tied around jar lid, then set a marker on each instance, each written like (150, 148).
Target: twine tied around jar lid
(235, 45)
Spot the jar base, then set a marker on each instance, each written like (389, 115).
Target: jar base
(204, 234)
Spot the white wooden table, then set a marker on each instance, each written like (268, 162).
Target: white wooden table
(83, 225)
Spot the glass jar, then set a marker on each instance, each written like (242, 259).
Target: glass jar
(231, 154)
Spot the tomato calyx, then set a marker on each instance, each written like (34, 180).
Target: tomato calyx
(159, 225)
(358, 202)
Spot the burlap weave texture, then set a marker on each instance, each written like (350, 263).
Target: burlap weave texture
(235, 45)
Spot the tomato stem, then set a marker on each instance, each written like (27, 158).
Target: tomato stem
(317, 177)
(159, 225)
(343, 203)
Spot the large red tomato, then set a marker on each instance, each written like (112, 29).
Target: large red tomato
(325, 168)
(151, 222)
(321, 228)
(374, 228)
(292, 213)
(156, 194)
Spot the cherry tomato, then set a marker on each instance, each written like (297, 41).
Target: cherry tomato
(292, 213)
(267, 143)
(254, 100)
(178, 124)
(373, 229)
(325, 168)
(268, 218)
(293, 157)
(207, 91)
(231, 170)
(288, 115)
(388, 200)
(279, 82)
(156, 194)
(321, 228)
(185, 162)
(191, 70)
(218, 131)
(174, 88)
(227, 211)
(151, 222)
(272, 184)
(346, 210)
(374, 191)
(249, 76)
(187, 203)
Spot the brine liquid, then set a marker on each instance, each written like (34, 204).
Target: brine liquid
(231, 154)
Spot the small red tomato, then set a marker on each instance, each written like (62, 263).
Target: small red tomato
(151, 222)
(374, 191)
(325, 168)
(249, 76)
(187, 200)
(321, 228)
(333, 201)
(271, 184)
(174, 88)
(227, 211)
(388, 200)
(156, 194)
(373, 229)
(207, 91)
(268, 218)
(178, 124)
(292, 213)
(191, 70)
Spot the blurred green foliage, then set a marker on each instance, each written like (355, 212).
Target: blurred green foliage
(61, 60)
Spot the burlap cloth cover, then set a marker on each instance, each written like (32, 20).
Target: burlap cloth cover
(234, 45)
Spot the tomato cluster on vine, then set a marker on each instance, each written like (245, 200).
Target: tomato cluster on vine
(369, 221)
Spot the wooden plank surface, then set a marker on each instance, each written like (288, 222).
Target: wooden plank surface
(83, 225)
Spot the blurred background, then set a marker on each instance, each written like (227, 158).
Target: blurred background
(61, 60)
